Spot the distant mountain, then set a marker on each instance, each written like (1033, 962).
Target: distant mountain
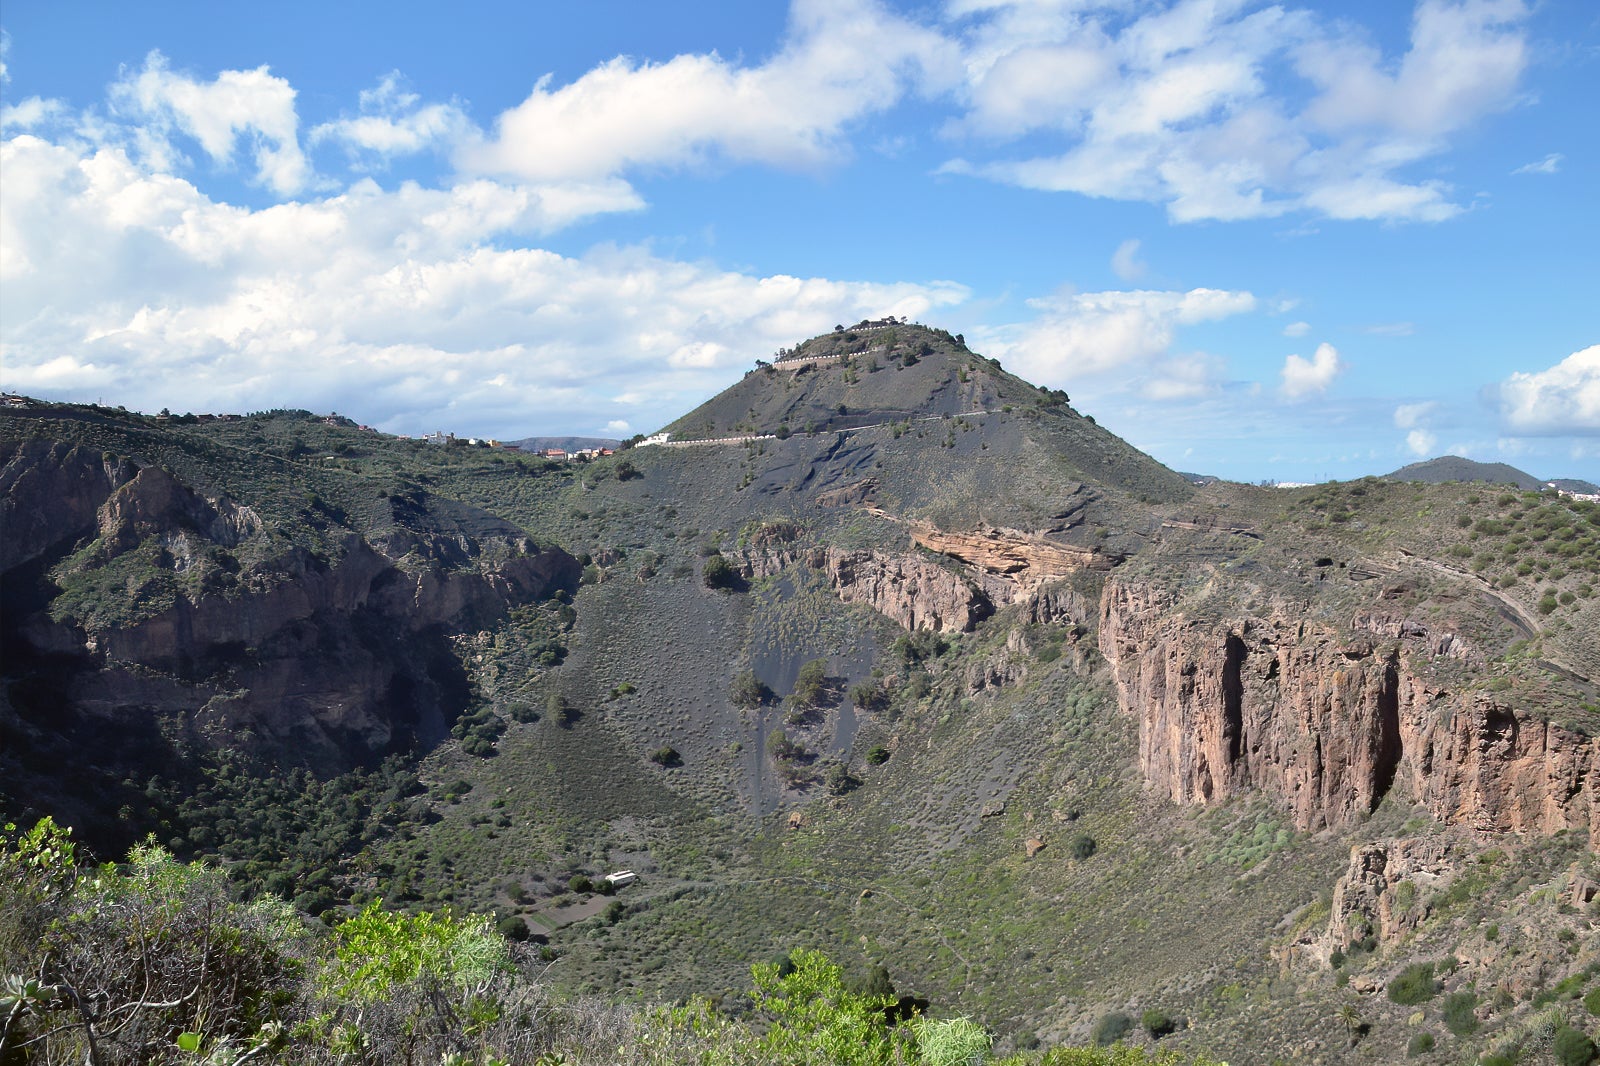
(1455, 468)
(566, 444)
(1572, 484)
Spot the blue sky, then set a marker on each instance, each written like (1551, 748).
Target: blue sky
(1287, 241)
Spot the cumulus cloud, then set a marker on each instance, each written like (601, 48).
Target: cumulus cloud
(251, 105)
(1297, 329)
(1223, 112)
(394, 122)
(842, 60)
(1421, 442)
(395, 304)
(1303, 377)
(1084, 334)
(1563, 399)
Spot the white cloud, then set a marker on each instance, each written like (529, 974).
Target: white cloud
(1563, 399)
(1421, 442)
(1550, 164)
(34, 111)
(1083, 334)
(1302, 377)
(1465, 61)
(248, 104)
(1392, 329)
(1413, 415)
(393, 304)
(392, 123)
(841, 60)
(618, 428)
(1202, 106)
(1297, 329)
(1186, 377)
(1125, 261)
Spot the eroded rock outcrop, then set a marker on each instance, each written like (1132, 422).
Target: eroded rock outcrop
(1025, 561)
(1368, 900)
(986, 571)
(327, 655)
(1329, 720)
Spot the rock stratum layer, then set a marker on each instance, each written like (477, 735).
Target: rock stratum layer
(1328, 720)
(991, 569)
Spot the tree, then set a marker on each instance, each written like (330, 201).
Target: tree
(780, 746)
(1573, 1047)
(814, 1018)
(1110, 1028)
(810, 684)
(720, 574)
(749, 691)
(868, 696)
(560, 711)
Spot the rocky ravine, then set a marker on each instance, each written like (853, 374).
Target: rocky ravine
(326, 660)
(1328, 722)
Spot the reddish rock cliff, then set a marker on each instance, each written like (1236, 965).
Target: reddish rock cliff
(1329, 720)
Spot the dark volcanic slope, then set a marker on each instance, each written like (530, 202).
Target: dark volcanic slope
(1455, 468)
(909, 383)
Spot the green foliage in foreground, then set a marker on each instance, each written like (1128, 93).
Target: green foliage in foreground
(156, 961)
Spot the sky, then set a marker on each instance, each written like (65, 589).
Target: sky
(1289, 242)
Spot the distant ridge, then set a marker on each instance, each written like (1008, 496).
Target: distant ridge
(566, 444)
(1456, 468)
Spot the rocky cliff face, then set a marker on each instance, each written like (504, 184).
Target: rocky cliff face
(326, 657)
(992, 569)
(1329, 720)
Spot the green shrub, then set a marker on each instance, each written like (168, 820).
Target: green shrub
(1573, 1047)
(951, 1041)
(1082, 846)
(1158, 1024)
(720, 574)
(810, 685)
(868, 696)
(1110, 1028)
(1413, 985)
(877, 755)
(748, 691)
(1591, 1002)
(580, 883)
(1419, 1044)
(1459, 1016)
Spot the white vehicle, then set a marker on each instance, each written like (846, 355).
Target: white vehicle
(622, 877)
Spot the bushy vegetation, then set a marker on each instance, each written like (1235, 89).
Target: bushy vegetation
(1413, 985)
(159, 962)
